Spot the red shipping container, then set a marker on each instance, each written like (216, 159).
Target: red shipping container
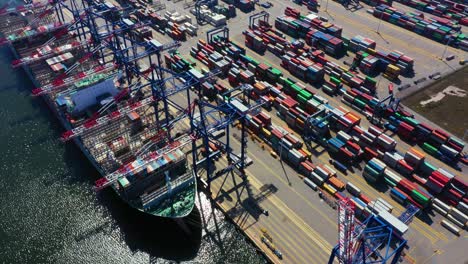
(370, 152)
(455, 195)
(440, 177)
(364, 198)
(407, 167)
(354, 145)
(406, 185)
(346, 153)
(435, 181)
(415, 203)
(358, 130)
(419, 179)
(424, 125)
(339, 196)
(454, 146)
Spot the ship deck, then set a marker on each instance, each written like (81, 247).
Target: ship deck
(113, 144)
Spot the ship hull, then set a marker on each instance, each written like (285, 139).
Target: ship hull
(51, 105)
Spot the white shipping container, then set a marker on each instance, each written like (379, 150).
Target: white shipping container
(446, 173)
(380, 163)
(330, 169)
(455, 221)
(458, 215)
(439, 210)
(450, 227)
(386, 204)
(390, 159)
(370, 135)
(375, 207)
(441, 204)
(449, 150)
(343, 136)
(321, 172)
(310, 183)
(316, 179)
(463, 207)
(353, 189)
(375, 131)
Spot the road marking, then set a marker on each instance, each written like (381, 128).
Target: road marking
(285, 234)
(291, 188)
(277, 236)
(324, 244)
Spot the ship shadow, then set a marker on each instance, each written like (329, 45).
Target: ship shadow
(158, 237)
(141, 232)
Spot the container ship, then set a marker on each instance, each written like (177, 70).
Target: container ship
(108, 110)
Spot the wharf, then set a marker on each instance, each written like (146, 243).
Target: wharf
(302, 226)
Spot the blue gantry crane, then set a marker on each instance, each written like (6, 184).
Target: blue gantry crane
(371, 241)
(211, 118)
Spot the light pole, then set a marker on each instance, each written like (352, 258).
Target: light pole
(281, 148)
(445, 49)
(380, 22)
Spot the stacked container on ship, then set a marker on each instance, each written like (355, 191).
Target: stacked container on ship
(113, 123)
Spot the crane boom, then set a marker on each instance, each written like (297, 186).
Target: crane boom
(58, 84)
(94, 123)
(36, 56)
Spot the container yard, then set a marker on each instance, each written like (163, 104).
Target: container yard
(288, 115)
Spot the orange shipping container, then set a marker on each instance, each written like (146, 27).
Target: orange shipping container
(353, 118)
(335, 182)
(417, 152)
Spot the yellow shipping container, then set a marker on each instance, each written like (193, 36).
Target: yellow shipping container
(329, 189)
(266, 133)
(371, 51)
(307, 152)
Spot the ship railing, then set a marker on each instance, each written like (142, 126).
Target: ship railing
(143, 161)
(161, 193)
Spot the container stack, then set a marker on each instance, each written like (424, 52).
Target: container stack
(414, 157)
(369, 64)
(360, 43)
(254, 42)
(385, 142)
(330, 44)
(447, 13)
(413, 21)
(373, 170)
(391, 178)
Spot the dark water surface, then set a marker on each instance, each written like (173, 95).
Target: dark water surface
(49, 214)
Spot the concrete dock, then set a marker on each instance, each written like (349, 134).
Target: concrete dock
(301, 225)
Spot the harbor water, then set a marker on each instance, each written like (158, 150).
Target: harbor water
(49, 213)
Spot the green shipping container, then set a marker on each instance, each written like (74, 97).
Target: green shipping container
(305, 94)
(371, 171)
(429, 148)
(288, 84)
(282, 80)
(296, 89)
(411, 121)
(419, 197)
(335, 80)
(276, 72)
(301, 99)
(427, 168)
(359, 103)
(390, 182)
